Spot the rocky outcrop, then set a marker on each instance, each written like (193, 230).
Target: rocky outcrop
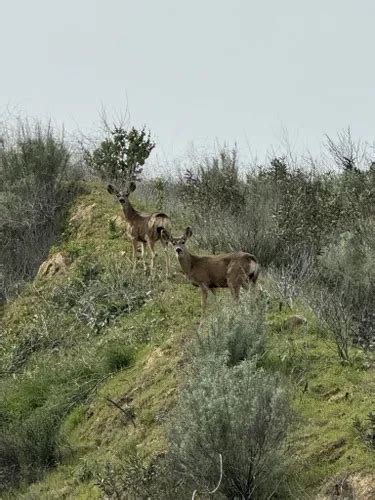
(57, 263)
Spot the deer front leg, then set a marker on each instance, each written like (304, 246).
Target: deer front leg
(135, 248)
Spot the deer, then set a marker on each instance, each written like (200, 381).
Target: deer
(142, 228)
(232, 270)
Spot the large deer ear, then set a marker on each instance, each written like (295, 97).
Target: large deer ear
(110, 189)
(188, 232)
(132, 187)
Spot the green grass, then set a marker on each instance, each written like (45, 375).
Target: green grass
(135, 360)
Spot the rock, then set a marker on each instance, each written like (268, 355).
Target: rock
(339, 397)
(82, 214)
(294, 322)
(57, 263)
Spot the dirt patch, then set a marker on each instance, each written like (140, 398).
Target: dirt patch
(349, 487)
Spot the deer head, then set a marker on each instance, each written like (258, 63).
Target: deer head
(122, 195)
(177, 243)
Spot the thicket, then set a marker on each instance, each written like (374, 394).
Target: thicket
(37, 181)
(311, 228)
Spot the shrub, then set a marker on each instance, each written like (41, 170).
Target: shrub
(36, 174)
(240, 413)
(10, 467)
(98, 296)
(34, 405)
(130, 477)
(121, 156)
(342, 290)
(237, 331)
(117, 356)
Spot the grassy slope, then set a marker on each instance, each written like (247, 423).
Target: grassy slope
(324, 443)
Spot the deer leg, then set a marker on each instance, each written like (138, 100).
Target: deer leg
(143, 255)
(135, 248)
(166, 260)
(235, 291)
(151, 245)
(204, 291)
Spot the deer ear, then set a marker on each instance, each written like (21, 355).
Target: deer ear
(110, 189)
(188, 232)
(132, 187)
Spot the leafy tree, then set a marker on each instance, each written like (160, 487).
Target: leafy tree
(121, 156)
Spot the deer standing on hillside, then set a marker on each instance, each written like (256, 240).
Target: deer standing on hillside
(142, 228)
(233, 270)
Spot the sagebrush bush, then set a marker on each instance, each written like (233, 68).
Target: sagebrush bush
(130, 477)
(239, 331)
(37, 180)
(341, 291)
(99, 295)
(238, 412)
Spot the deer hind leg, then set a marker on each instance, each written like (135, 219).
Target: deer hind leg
(204, 291)
(143, 255)
(151, 246)
(235, 279)
(167, 261)
(235, 291)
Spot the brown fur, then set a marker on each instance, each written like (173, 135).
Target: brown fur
(233, 270)
(142, 228)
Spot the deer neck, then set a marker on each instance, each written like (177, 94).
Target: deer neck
(186, 261)
(129, 211)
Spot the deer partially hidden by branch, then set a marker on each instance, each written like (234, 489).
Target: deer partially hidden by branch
(233, 270)
(144, 229)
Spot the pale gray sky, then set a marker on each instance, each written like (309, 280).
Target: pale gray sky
(195, 70)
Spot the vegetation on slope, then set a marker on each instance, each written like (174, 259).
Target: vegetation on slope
(73, 344)
(112, 386)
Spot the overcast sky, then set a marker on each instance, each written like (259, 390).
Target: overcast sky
(196, 70)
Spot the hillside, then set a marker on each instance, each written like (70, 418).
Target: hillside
(93, 355)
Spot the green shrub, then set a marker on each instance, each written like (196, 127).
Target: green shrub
(238, 412)
(121, 155)
(130, 477)
(99, 295)
(117, 356)
(34, 405)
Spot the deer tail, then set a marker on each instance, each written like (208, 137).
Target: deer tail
(159, 222)
(254, 269)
